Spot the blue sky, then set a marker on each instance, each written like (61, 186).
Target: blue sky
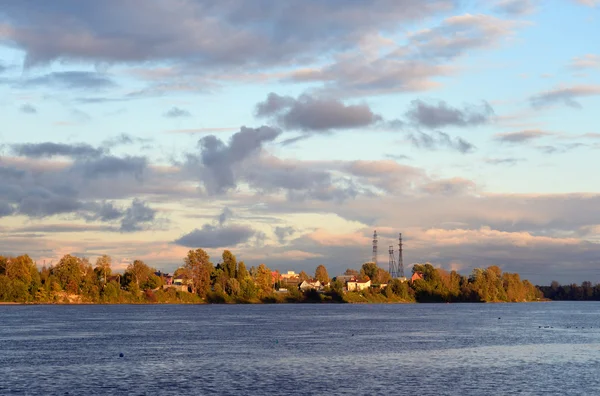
(289, 131)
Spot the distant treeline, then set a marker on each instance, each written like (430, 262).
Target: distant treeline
(75, 280)
(584, 292)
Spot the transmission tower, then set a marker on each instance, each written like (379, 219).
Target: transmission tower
(400, 261)
(393, 269)
(374, 247)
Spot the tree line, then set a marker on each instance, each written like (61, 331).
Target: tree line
(76, 280)
(572, 292)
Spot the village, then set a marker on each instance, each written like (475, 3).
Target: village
(283, 283)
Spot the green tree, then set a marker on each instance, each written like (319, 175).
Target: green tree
(321, 274)
(200, 268)
(69, 272)
(369, 270)
(229, 264)
(233, 287)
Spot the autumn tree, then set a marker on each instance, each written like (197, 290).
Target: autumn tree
(264, 280)
(200, 269)
(351, 272)
(103, 267)
(303, 276)
(242, 273)
(69, 272)
(139, 271)
(321, 274)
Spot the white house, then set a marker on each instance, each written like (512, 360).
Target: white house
(310, 284)
(357, 285)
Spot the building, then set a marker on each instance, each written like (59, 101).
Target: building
(357, 285)
(310, 284)
(289, 275)
(417, 276)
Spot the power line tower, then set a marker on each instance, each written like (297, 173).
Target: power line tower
(400, 261)
(392, 264)
(375, 247)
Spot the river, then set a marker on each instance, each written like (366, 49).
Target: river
(412, 349)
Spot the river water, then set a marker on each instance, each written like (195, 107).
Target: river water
(418, 349)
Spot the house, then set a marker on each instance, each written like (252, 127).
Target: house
(167, 278)
(289, 275)
(357, 285)
(310, 284)
(417, 276)
(345, 278)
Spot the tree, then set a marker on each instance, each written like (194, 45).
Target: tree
(321, 274)
(264, 280)
(69, 272)
(351, 272)
(303, 276)
(103, 270)
(382, 276)
(233, 287)
(242, 273)
(370, 270)
(200, 268)
(229, 264)
(140, 272)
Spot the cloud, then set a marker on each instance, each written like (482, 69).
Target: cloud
(503, 161)
(283, 233)
(565, 95)
(358, 75)
(176, 112)
(559, 149)
(521, 136)
(516, 7)
(110, 165)
(458, 34)
(440, 114)
(589, 3)
(454, 186)
(588, 61)
(63, 228)
(28, 109)
(70, 80)
(50, 149)
(201, 33)
(225, 215)
(269, 174)
(6, 209)
(123, 139)
(203, 130)
(409, 67)
(308, 113)
(210, 236)
(217, 161)
(137, 217)
(437, 140)
(104, 211)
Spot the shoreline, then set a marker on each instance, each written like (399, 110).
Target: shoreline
(278, 303)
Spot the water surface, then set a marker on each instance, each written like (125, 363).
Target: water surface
(428, 349)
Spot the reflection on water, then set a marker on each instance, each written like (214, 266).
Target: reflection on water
(465, 349)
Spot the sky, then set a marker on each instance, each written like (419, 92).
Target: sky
(288, 131)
